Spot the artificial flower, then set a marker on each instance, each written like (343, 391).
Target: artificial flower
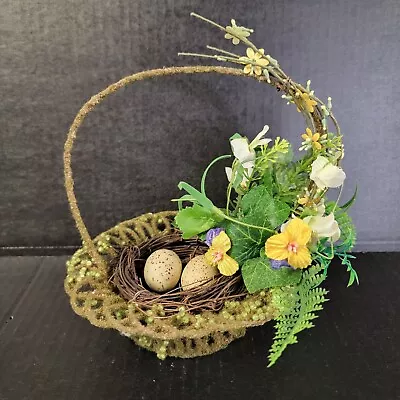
(314, 202)
(307, 102)
(245, 152)
(212, 234)
(245, 178)
(291, 244)
(216, 255)
(312, 140)
(257, 61)
(325, 174)
(324, 227)
(234, 31)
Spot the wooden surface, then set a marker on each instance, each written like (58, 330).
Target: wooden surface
(47, 352)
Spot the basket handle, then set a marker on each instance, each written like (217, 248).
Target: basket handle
(282, 81)
(88, 107)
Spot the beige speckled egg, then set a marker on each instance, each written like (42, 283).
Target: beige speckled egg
(162, 270)
(196, 272)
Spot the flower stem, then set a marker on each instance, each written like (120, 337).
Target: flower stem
(193, 14)
(263, 228)
(228, 53)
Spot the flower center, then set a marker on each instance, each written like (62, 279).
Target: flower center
(292, 247)
(217, 256)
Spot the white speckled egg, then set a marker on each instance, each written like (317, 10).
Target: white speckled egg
(162, 270)
(196, 272)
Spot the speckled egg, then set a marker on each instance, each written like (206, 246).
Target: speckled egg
(196, 272)
(162, 270)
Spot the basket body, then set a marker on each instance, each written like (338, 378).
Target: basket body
(92, 296)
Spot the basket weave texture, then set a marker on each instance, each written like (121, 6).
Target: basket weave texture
(88, 281)
(185, 335)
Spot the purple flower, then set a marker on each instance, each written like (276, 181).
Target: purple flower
(278, 264)
(212, 234)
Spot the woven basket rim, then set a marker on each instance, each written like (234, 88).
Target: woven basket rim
(89, 288)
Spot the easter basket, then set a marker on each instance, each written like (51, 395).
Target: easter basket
(261, 257)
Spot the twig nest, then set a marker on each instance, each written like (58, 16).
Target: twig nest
(162, 270)
(197, 272)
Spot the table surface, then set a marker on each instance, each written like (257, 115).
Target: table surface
(48, 352)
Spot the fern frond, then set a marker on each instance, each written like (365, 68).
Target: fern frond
(307, 300)
(348, 235)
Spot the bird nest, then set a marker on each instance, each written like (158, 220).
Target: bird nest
(127, 276)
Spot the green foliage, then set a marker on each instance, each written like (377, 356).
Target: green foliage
(348, 204)
(290, 179)
(272, 155)
(258, 275)
(194, 220)
(199, 197)
(300, 313)
(348, 235)
(353, 276)
(259, 208)
(345, 244)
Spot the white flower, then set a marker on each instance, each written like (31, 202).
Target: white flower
(245, 178)
(325, 174)
(246, 153)
(324, 227)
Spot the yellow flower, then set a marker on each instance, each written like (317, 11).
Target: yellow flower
(313, 139)
(257, 61)
(235, 32)
(291, 244)
(216, 255)
(307, 103)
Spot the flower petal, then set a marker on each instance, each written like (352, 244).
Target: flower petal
(222, 242)
(324, 227)
(258, 140)
(242, 151)
(229, 172)
(317, 145)
(209, 257)
(316, 167)
(298, 231)
(258, 70)
(263, 62)
(264, 142)
(250, 53)
(228, 266)
(332, 176)
(300, 259)
(248, 69)
(276, 246)
(315, 137)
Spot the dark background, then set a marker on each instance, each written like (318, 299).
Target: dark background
(134, 149)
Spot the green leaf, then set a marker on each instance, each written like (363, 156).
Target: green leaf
(260, 209)
(267, 180)
(296, 311)
(235, 136)
(200, 197)
(246, 242)
(348, 204)
(258, 275)
(194, 220)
